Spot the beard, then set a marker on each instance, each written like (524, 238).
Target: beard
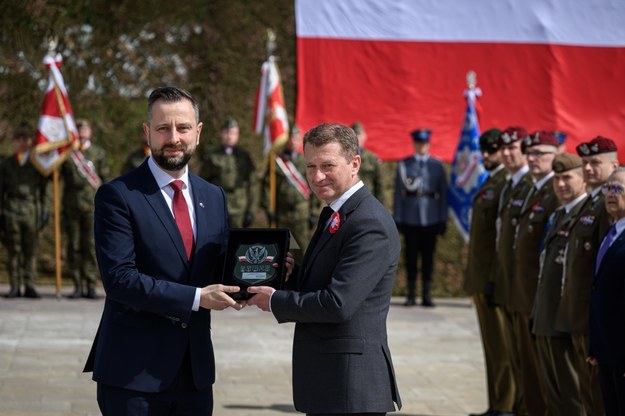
(172, 163)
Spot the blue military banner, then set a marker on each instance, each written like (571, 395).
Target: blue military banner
(467, 170)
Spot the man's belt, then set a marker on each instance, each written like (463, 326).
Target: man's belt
(434, 195)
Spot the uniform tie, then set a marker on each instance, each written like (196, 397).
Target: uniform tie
(605, 245)
(181, 214)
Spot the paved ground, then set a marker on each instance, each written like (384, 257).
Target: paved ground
(44, 343)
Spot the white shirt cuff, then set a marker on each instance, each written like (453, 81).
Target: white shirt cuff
(196, 301)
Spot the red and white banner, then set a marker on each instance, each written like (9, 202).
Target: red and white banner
(270, 116)
(57, 135)
(398, 65)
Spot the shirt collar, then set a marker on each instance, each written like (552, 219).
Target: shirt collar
(568, 207)
(336, 205)
(516, 176)
(620, 226)
(539, 183)
(495, 171)
(163, 178)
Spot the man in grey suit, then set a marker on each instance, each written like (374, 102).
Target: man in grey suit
(340, 296)
(420, 211)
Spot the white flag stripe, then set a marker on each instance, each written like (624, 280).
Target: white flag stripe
(564, 22)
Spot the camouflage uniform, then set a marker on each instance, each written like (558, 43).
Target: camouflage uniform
(23, 205)
(78, 207)
(135, 159)
(371, 173)
(236, 174)
(292, 210)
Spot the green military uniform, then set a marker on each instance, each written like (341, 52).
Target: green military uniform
(135, 159)
(555, 349)
(23, 205)
(538, 206)
(78, 207)
(234, 171)
(511, 203)
(480, 272)
(371, 173)
(293, 207)
(585, 237)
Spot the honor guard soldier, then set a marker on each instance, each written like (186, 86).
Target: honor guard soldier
(555, 348)
(420, 212)
(540, 149)
(137, 157)
(370, 166)
(293, 196)
(23, 212)
(599, 158)
(510, 204)
(481, 271)
(231, 167)
(86, 170)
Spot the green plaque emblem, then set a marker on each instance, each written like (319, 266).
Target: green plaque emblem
(254, 263)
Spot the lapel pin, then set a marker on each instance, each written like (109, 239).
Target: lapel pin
(201, 204)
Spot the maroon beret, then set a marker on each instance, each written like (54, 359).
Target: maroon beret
(539, 137)
(511, 135)
(596, 146)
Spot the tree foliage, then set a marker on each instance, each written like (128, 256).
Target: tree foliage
(115, 52)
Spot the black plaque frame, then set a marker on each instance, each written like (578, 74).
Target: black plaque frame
(238, 239)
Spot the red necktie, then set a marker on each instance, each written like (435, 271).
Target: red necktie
(181, 214)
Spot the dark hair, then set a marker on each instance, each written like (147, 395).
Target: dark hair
(334, 133)
(22, 132)
(171, 95)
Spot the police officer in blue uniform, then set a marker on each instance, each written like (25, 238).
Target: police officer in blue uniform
(420, 211)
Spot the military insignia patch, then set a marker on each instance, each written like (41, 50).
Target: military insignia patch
(587, 220)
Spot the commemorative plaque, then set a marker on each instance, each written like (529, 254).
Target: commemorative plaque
(255, 257)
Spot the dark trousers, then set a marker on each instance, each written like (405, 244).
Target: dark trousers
(419, 242)
(182, 398)
(612, 389)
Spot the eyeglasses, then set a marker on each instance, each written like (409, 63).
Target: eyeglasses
(613, 188)
(537, 153)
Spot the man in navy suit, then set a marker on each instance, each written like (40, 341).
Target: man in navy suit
(340, 298)
(160, 235)
(607, 302)
(420, 211)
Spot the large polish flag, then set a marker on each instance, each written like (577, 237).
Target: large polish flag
(397, 65)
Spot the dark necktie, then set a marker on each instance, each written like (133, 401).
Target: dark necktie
(605, 245)
(181, 214)
(326, 212)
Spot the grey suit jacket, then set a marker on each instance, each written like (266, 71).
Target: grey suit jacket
(341, 358)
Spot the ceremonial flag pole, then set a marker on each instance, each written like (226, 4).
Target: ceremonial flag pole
(467, 171)
(270, 118)
(55, 140)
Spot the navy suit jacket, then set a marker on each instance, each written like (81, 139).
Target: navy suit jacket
(341, 358)
(147, 324)
(607, 307)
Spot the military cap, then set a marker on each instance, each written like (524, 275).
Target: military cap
(559, 135)
(293, 129)
(596, 146)
(421, 135)
(511, 135)
(488, 140)
(539, 137)
(230, 123)
(566, 161)
(81, 122)
(358, 127)
(22, 132)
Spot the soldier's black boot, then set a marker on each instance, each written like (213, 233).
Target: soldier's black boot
(412, 293)
(90, 293)
(31, 293)
(77, 293)
(14, 292)
(426, 300)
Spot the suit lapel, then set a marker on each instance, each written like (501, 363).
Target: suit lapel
(344, 213)
(155, 199)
